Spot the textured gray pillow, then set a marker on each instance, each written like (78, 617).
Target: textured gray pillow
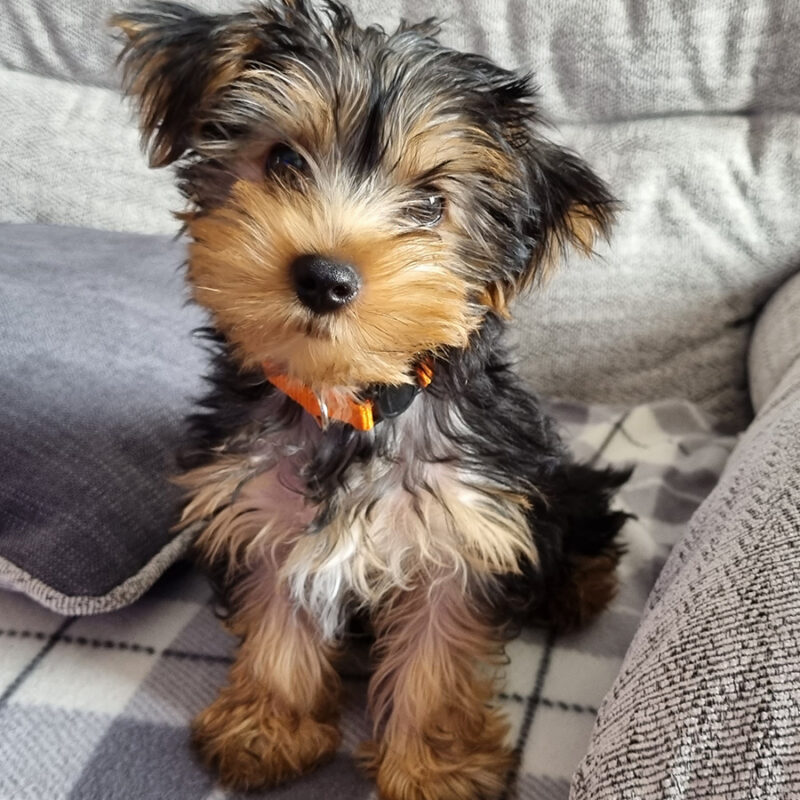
(97, 370)
(707, 704)
(775, 346)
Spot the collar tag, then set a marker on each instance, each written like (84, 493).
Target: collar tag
(324, 416)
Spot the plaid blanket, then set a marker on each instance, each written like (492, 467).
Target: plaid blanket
(97, 708)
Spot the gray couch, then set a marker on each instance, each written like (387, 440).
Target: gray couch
(690, 111)
(688, 108)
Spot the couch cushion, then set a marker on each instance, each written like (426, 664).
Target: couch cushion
(98, 369)
(69, 155)
(605, 60)
(707, 233)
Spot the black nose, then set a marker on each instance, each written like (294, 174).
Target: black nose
(323, 284)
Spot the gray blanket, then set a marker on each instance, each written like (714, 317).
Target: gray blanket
(97, 708)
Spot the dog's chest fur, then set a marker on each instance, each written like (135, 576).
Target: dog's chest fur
(414, 508)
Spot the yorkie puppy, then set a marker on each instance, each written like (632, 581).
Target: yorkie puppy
(362, 207)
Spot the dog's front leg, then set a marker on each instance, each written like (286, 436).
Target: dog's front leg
(436, 736)
(276, 717)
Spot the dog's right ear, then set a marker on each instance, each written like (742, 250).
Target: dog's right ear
(175, 61)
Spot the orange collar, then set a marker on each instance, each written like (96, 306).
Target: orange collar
(386, 401)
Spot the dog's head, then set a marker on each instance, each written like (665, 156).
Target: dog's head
(357, 199)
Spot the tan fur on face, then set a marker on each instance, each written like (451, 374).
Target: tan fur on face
(416, 296)
(290, 104)
(411, 301)
(436, 736)
(439, 137)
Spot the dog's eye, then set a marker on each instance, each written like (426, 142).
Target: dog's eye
(281, 158)
(428, 210)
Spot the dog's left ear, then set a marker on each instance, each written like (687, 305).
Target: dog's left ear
(568, 205)
(562, 204)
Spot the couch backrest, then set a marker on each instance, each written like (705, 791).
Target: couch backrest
(604, 60)
(689, 109)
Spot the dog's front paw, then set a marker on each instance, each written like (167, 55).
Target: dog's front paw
(418, 772)
(250, 746)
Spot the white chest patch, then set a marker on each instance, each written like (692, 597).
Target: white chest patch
(398, 519)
